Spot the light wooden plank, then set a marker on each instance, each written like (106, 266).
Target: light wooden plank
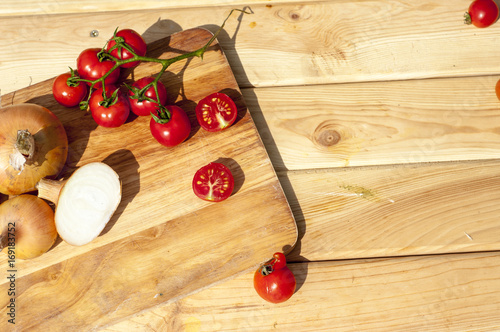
(281, 44)
(378, 123)
(395, 211)
(435, 293)
(37, 7)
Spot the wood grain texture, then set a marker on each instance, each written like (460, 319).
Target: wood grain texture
(36, 7)
(431, 293)
(160, 227)
(381, 120)
(395, 210)
(282, 44)
(378, 123)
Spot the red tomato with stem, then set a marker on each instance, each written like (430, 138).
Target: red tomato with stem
(140, 103)
(482, 13)
(132, 39)
(111, 112)
(274, 281)
(170, 126)
(68, 93)
(213, 182)
(216, 112)
(90, 67)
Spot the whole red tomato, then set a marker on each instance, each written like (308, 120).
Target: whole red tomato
(170, 129)
(482, 13)
(216, 112)
(274, 281)
(213, 182)
(112, 112)
(91, 68)
(68, 93)
(134, 41)
(141, 105)
(497, 89)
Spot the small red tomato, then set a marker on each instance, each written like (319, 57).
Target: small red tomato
(482, 13)
(170, 127)
(216, 112)
(143, 106)
(91, 68)
(134, 41)
(66, 93)
(115, 113)
(213, 182)
(274, 281)
(497, 89)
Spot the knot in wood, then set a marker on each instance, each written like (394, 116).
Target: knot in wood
(328, 137)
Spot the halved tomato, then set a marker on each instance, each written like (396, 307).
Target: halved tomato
(213, 182)
(216, 112)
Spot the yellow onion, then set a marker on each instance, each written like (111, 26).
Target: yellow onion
(33, 145)
(85, 202)
(27, 227)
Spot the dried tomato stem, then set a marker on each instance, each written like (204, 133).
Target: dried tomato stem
(266, 270)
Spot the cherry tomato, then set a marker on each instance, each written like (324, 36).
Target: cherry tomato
(91, 68)
(173, 130)
(143, 106)
(213, 182)
(216, 112)
(482, 13)
(68, 95)
(113, 115)
(274, 281)
(497, 89)
(132, 39)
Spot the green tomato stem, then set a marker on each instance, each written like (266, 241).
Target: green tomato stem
(163, 114)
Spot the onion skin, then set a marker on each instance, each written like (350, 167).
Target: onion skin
(50, 152)
(30, 220)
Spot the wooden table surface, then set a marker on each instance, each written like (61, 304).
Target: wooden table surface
(381, 120)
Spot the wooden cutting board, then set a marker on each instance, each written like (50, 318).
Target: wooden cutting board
(163, 242)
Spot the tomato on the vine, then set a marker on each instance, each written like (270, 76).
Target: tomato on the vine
(216, 112)
(213, 182)
(90, 67)
(112, 112)
(140, 105)
(482, 13)
(68, 93)
(134, 41)
(274, 281)
(170, 126)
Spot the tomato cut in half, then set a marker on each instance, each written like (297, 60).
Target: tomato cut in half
(213, 182)
(216, 112)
